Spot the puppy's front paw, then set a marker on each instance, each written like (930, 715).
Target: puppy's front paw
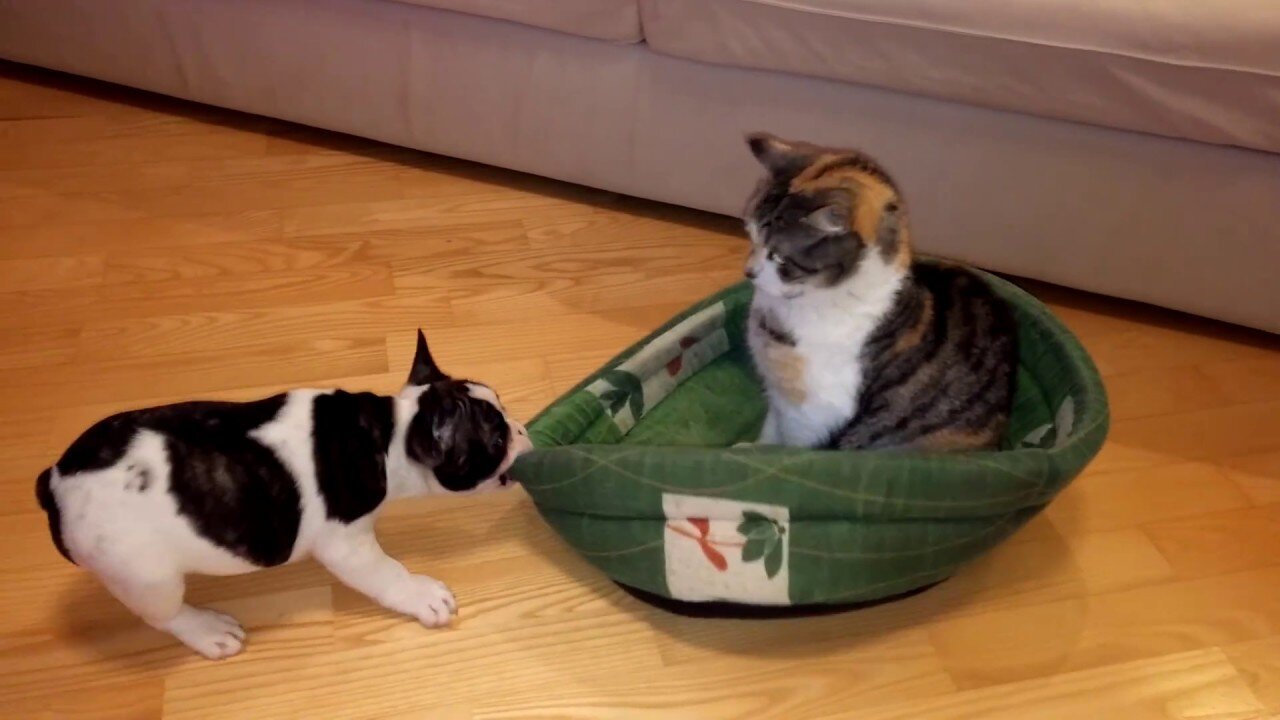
(431, 601)
(212, 634)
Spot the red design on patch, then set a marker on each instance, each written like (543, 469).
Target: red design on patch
(677, 362)
(705, 543)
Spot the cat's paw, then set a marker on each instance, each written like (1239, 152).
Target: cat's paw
(432, 602)
(212, 634)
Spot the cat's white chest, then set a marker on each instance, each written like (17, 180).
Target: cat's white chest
(813, 378)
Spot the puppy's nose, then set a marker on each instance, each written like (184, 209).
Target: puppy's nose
(521, 443)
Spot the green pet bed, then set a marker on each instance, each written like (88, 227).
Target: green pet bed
(635, 468)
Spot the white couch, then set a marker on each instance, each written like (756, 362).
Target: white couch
(1129, 147)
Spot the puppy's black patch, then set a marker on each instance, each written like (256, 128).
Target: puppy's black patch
(232, 489)
(352, 433)
(101, 446)
(44, 495)
(462, 439)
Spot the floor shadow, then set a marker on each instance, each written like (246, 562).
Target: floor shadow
(94, 621)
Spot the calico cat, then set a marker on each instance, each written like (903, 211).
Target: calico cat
(146, 497)
(860, 347)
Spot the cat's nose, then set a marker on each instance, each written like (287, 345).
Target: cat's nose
(750, 272)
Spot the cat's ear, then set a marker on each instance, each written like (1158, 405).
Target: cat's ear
(891, 233)
(830, 219)
(424, 370)
(775, 154)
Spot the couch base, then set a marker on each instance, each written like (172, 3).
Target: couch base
(1186, 225)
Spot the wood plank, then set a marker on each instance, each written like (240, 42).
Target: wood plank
(43, 344)
(1199, 685)
(480, 208)
(1212, 543)
(298, 362)
(222, 259)
(1114, 500)
(129, 700)
(128, 235)
(1206, 434)
(1082, 633)
(144, 299)
(1258, 662)
(1150, 393)
(251, 329)
(283, 628)
(1115, 560)
(188, 141)
(52, 272)
(1257, 475)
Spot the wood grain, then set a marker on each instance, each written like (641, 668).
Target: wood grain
(1200, 685)
(156, 251)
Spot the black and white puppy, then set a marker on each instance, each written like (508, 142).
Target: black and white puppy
(146, 497)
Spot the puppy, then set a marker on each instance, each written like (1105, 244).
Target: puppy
(219, 488)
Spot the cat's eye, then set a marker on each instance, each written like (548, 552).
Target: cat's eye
(774, 257)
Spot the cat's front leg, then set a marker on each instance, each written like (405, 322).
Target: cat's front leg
(771, 431)
(352, 553)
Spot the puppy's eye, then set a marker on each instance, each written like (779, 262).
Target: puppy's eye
(498, 443)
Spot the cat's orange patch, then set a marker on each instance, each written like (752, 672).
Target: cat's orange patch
(805, 181)
(868, 212)
(912, 337)
(904, 257)
(871, 194)
(951, 440)
(786, 369)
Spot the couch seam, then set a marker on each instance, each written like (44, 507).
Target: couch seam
(870, 19)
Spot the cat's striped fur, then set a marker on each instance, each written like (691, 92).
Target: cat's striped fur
(859, 346)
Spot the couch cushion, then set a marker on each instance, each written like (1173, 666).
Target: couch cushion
(615, 20)
(1207, 71)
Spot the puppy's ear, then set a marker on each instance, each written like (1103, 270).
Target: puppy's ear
(424, 370)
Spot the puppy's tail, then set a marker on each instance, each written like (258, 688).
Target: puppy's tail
(48, 503)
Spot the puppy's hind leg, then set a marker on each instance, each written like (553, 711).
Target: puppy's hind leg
(157, 599)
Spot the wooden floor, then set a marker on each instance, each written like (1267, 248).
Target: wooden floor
(152, 250)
